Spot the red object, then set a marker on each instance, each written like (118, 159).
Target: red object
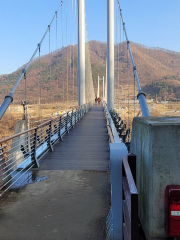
(172, 210)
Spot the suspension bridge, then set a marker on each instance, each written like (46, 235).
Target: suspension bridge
(76, 167)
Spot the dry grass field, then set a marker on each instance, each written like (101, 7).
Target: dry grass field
(126, 108)
(35, 115)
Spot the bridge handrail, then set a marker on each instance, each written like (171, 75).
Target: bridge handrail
(130, 201)
(111, 138)
(32, 129)
(23, 151)
(113, 135)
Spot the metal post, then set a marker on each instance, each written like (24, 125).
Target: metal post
(66, 127)
(81, 53)
(72, 115)
(49, 136)
(34, 157)
(59, 131)
(110, 54)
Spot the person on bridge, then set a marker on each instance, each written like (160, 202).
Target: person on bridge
(99, 100)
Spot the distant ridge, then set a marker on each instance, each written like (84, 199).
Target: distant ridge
(158, 70)
(155, 48)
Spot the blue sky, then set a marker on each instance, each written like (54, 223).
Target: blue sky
(154, 23)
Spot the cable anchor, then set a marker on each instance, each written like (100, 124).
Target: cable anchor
(39, 46)
(134, 68)
(24, 72)
(141, 93)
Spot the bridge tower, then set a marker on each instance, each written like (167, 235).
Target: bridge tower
(110, 54)
(81, 52)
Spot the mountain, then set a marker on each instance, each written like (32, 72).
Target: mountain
(158, 71)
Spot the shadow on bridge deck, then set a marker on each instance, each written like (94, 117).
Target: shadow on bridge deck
(73, 202)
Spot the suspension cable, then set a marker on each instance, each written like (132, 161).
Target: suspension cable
(62, 56)
(116, 83)
(57, 78)
(73, 48)
(70, 22)
(134, 98)
(118, 88)
(40, 87)
(128, 89)
(9, 98)
(141, 94)
(25, 96)
(124, 77)
(67, 83)
(120, 93)
(50, 68)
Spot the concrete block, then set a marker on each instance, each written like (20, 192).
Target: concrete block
(16, 154)
(156, 143)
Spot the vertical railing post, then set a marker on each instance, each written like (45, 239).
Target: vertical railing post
(34, 148)
(67, 117)
(49, 136)
(72, 114)
(75, 116)
(79, 113)
(59, 129)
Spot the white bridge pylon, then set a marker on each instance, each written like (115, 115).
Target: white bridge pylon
(98, 95)
(110, 54)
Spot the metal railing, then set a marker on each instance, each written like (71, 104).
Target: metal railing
(117, 150)
(23, 151)
(122, 220)
(130, 198)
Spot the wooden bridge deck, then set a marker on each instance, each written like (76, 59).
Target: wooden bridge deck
(69, 196)
(84, 148)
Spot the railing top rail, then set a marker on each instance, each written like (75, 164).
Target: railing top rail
(131, 183)
(109, 129)
(37, 127)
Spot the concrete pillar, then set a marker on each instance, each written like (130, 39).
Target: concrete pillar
(81, 52)
(106, 84)
(98, 88)
(110, 54)
(156, 143)
(17, 156)
(103, 88)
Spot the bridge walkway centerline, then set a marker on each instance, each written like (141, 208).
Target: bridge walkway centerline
(73, 200)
